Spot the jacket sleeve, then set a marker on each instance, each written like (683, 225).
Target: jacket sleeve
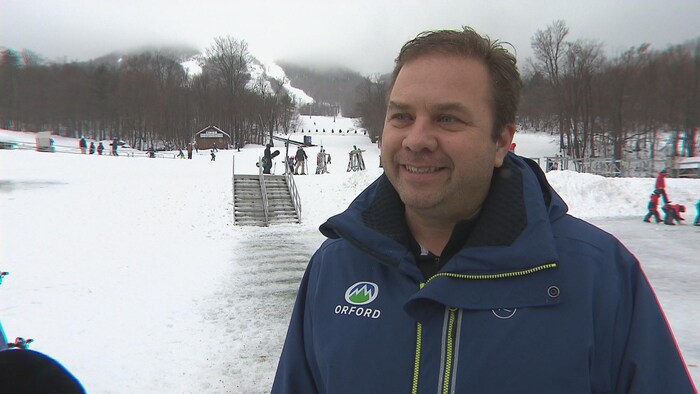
(649, 358)
(294, 371)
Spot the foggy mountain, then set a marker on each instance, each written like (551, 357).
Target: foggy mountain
(328, 84)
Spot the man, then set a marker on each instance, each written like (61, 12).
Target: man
(300, 158)
(459, 270)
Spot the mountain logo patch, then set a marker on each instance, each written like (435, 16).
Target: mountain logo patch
(361, 293)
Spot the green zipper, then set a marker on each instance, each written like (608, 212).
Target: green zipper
(452, 318)
(416, 362)
(450, 351)
(494, 276)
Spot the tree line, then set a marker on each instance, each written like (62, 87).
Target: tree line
(599, 106)
(146, 99)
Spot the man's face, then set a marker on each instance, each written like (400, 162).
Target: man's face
(437, 148)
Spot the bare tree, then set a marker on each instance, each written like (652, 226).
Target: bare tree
(549, 46)
(227, 61)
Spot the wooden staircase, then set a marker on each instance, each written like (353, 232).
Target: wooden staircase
(249, 202)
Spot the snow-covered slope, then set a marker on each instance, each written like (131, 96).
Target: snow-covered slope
(129, 271)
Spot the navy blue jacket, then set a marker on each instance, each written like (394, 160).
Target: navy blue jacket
(536, 301)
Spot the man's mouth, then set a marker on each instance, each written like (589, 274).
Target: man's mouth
(421, 170)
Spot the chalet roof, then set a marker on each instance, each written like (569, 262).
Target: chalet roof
(208, 128)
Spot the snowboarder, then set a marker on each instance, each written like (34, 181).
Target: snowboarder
(267, 159)
(653, 208)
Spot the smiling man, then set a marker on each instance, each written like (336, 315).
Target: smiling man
(459, 269)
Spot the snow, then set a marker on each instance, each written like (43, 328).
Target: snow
(129, 271)
(192, 66)
(264, 70)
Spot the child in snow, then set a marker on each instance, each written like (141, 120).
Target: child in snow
(673, 213)
(653, 211)
(213, 155)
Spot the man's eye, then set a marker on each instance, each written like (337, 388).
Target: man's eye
(446, 119)
(400, 116)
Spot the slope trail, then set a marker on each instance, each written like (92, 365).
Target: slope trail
(257, 297)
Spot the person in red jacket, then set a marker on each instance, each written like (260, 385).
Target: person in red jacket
(673, 213)
(660, 187)
(653, 208)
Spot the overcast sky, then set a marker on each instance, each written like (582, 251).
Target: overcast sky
(364, 35)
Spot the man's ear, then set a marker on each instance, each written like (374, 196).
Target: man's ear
(505, 138)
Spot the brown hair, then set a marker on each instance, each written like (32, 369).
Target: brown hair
(501, 64)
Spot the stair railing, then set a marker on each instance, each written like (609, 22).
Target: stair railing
(263, 190)
(233, 186)
(294, 193)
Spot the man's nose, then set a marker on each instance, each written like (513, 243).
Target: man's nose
(422, 135)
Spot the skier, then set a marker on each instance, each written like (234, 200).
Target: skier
(653, 208)
(321, 161)
(300, 161)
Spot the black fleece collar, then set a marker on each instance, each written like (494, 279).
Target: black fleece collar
(502, 219)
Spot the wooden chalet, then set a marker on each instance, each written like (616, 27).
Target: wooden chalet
(210, 135)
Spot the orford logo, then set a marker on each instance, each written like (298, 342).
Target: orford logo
(361, 293)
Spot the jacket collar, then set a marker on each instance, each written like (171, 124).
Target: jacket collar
(514, 222)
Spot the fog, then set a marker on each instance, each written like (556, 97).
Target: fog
(362, 35)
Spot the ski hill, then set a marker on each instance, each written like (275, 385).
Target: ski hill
(130, 272)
